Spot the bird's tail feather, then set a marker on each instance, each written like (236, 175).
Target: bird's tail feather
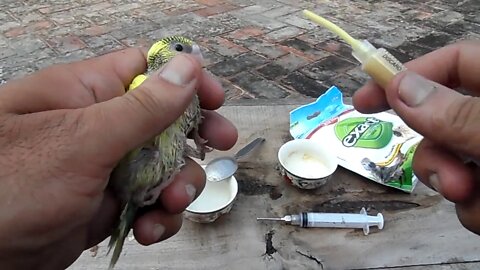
(120, 233)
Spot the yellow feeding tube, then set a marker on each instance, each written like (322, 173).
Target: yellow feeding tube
(378, 63)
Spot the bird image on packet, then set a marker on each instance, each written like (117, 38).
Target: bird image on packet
(377, 146)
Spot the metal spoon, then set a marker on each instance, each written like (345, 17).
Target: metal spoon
(224, 167)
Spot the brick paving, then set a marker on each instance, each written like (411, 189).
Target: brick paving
(258, 49)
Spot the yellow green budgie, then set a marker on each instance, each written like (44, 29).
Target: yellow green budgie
(144, 172)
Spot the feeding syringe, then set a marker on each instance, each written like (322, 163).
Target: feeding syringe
(333, 220)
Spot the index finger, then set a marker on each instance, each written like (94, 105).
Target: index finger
(74, 85)
(114, 72)
(454, 66)
(83, 83)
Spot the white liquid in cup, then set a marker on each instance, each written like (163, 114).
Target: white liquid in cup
(307, 159)
(215, 196)
(305, 165)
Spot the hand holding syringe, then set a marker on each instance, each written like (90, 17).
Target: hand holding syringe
(333, 220)
(378, 63)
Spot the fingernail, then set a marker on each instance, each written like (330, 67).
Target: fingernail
(414, 89)
(435, 182)
(191, 191)
(179, 70)
(158, 231)
(197, 53)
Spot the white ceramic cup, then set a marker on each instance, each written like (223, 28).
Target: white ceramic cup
(216, 199)
(306, 163)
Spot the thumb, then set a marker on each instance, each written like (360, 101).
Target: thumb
(440, 114)
(123, 123)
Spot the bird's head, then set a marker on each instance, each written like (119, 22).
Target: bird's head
(166, 48)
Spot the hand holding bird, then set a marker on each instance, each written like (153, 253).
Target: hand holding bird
(64, 130)
(145, 171)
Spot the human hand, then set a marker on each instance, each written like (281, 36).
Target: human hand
(62, 131)
(448, 120)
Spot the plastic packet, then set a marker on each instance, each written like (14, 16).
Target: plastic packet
(377, 146)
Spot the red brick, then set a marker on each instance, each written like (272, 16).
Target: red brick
(331, 46)
(181, 11)
(338, 48)
(245, 33)
(33, 27)
(40, 25)
(50, 7)
(210, 3)
(223, 46)
(137, 42)
(214, 10)
(15, 32)
(96, 30)
(307, 56)
(67, 43)
(62, 20)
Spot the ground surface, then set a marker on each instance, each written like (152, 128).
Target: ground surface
(259, 49)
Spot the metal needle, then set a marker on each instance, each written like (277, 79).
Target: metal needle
(274, 219)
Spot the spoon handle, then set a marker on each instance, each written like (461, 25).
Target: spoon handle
(249, 147)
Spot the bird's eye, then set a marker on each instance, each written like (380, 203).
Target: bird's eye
(178, 47)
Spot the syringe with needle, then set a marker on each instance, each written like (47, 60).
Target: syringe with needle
(333, 220)
(378, 63)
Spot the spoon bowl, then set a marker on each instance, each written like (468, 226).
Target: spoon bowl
(224, 167)
(221, 168)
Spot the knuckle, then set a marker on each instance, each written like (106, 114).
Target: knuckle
(422, 160)
(82, 124)
(8, 132)
(142, 100)
(460, 121)
(463, 113)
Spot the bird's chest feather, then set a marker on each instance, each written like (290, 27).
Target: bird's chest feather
(153, 165)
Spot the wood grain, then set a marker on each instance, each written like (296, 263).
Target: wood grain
(421, 229)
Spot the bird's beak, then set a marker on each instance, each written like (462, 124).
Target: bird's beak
(196, 52)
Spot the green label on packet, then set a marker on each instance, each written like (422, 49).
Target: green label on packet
(364, 132)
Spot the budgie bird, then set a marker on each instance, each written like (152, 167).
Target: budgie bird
(144, 172)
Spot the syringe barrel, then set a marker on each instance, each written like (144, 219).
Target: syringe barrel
(329, 220)
(381, 65)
